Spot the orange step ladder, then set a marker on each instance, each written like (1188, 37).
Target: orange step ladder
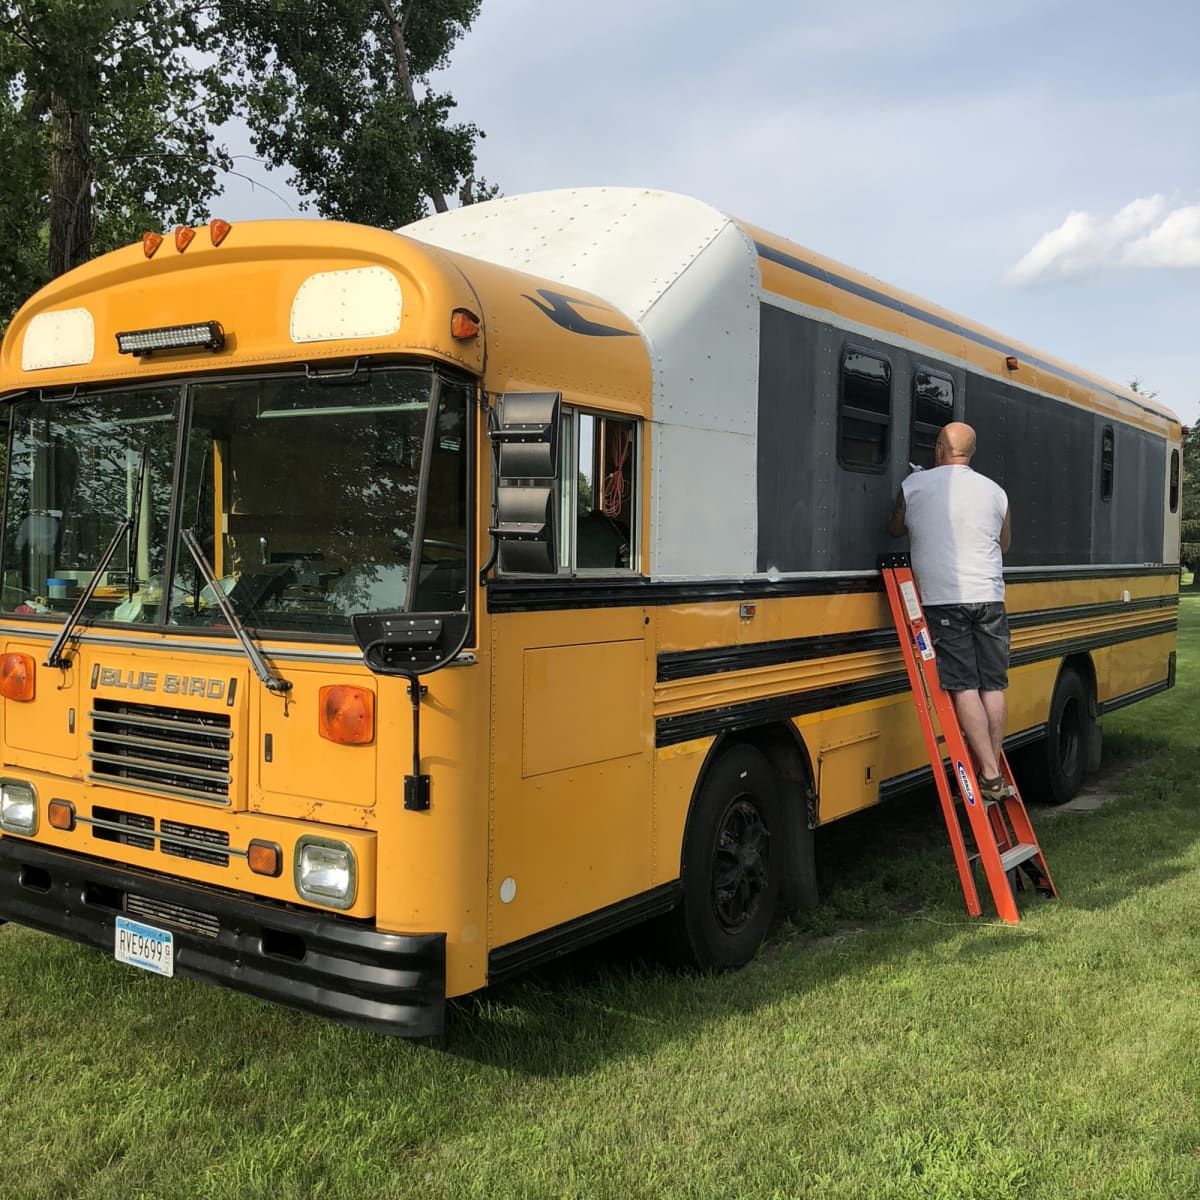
(1004, 838)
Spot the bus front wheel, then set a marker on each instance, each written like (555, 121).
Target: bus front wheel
(732, 864)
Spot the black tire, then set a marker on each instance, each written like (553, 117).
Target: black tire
(733, 861)
(1069, 732)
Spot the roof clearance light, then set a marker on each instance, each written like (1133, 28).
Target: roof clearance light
(183, 237)
(218, 230)
(464, 324)
(1011, 362)
(151, 242)
(18, 677)
(347, 715)
(202, 335)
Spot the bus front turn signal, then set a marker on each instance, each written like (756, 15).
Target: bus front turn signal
(347, 715)
(18, 676)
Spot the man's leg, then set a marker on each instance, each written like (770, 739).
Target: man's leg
(974, 719)
(996, 707)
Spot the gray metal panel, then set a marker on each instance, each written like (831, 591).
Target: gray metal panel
(1040, 452)
(1137, 495)
(792, 441)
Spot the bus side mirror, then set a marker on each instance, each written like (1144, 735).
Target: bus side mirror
(526, 437)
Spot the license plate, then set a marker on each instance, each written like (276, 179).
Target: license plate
(146, 947)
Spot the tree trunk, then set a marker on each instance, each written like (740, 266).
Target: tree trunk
(401, 55)
(70, 188)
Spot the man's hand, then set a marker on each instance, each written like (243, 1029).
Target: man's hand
(896, 526)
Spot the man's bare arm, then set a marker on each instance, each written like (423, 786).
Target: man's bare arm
(896, 526)
(1006, 531)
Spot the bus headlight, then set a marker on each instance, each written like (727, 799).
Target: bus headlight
(18, 807)
(325, 872)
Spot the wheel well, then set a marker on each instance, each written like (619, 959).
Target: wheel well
(1083, 666)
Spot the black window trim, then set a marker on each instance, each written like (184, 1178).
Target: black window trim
(859, 414)
(914, 425)
(1110, 430)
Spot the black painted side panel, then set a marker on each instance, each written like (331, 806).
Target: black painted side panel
(816, 515)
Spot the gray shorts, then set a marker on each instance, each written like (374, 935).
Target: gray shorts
(971, 641)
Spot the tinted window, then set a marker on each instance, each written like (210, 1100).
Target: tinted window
(864, 411)
(1174, 480)
(932, 407)
(1107, 457)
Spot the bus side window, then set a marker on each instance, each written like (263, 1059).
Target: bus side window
(1107, 456)
(864, 411)
(932, 407)
(1174, 493)
(599, 500)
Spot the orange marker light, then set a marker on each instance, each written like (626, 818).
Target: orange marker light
(265, 858)
(61, 814)
(347, 715)
(464, 324)
(183, 237)
(218, 230)
(1011, 362)
(151, 242)
(18, 675)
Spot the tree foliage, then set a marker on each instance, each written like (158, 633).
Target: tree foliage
(107, 111)
(330, 89)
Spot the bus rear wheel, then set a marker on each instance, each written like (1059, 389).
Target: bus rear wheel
(732, 864)
(1069, 732)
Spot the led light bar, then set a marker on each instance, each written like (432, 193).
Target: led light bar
(203, 335)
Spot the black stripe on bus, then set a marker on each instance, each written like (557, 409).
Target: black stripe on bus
(783, 259)
(670, 731)
(547, 594)
(562, 939)
(691, 664)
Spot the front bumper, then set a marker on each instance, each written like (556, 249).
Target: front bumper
(338, 968)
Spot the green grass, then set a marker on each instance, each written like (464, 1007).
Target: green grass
(889, 1048)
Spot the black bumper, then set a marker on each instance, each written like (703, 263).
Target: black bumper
(338, 968)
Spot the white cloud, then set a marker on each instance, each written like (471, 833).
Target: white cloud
(1145, 233)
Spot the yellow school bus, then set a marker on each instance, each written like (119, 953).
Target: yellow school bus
(387, 612)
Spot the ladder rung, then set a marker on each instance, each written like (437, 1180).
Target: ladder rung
(1020, 853)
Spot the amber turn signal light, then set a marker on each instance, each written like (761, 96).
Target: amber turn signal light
(464, 324)
(150, 243)
(18, 675)
(265, 858)
(347, 715)
(61, 814)
(183, 237)
(218, 230)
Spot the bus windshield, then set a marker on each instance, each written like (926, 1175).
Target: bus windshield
(305, 495)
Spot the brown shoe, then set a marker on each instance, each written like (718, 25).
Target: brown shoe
(994, 789)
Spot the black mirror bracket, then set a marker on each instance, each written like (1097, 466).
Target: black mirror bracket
(412, 645)
(416, 785)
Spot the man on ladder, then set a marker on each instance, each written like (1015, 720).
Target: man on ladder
(959, 525)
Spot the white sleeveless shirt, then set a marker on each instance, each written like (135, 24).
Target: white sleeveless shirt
(954, 517)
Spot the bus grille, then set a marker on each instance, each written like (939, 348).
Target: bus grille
(169, 751)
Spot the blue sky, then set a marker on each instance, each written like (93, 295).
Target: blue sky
(1031, 164)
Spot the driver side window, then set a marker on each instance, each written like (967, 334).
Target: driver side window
(599, 500)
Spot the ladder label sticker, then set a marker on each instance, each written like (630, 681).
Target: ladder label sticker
(923, 644)
(911, 603)
(965, 779)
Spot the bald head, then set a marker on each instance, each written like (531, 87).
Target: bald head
(955, 444)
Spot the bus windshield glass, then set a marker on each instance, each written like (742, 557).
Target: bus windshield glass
(304, 494)
(77, 470)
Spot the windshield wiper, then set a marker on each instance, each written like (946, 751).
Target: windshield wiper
(273, 682)
(55, 657)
